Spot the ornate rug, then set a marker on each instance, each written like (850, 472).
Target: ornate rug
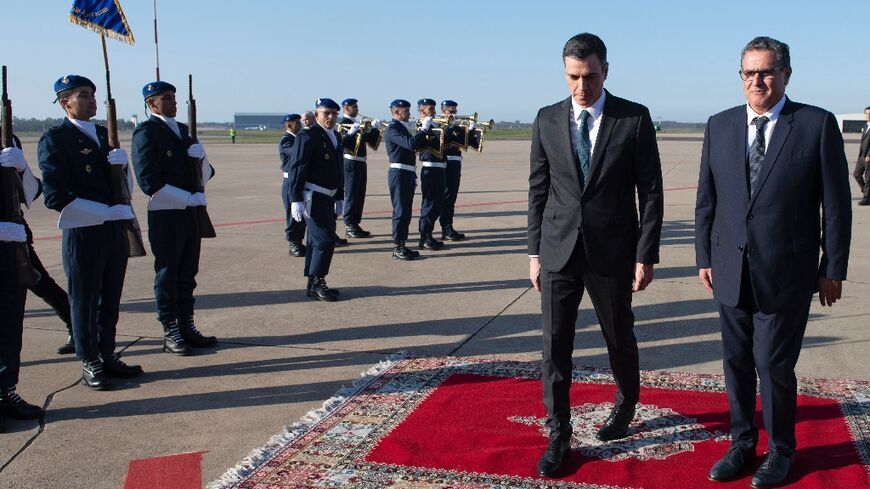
(478, 423)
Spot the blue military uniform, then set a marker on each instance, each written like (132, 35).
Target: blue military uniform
(355, 173)
(432, 185)
(294, 231)
(452, 176)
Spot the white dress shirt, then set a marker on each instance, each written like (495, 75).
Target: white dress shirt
(86, 127)
(772, 114)
(170, 121)
(592, 123)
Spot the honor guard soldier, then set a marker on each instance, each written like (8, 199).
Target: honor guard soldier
(355, 168)
(12, 297)
(317, 194)
(452, 174)
(431, 185)
(294, 230)
(402, 175)
(75, 158)
(163, 155)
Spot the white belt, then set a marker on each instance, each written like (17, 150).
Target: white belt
(454, 158)
(286, 175)
(320, 190)
(355, 158)
(402, 166)
(434, 164)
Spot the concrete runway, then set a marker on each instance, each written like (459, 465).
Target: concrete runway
(282, 354)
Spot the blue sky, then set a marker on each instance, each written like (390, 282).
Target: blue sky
(501, 59)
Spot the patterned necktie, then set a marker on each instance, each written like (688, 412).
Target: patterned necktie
(584, 147)
(756, 152)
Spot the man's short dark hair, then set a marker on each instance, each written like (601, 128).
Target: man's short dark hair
(583, 45)
(764, 43)
(866, 109)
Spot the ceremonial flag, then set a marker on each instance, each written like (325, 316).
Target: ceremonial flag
(103, 16)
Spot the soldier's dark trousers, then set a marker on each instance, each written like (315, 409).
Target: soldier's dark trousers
(293, 230)
(48, 290)
(402, 184)
(321, 235)
(175, 243)
(12, 297)
(355, 178)
(432, 188)
(451, 190)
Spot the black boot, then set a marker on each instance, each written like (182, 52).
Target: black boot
(318, 289)
(402, 253)
(115, 367)
(13, 406)
(450, 234)
(354, 231)
(173, 341)
(339, 242)
(427, 242)
(68, 347)
(192, 335)
(94, 376)
(551, 461)
(297, 248)
(616, 426)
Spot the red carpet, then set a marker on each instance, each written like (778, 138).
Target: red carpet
(478, 423)
(171, 472)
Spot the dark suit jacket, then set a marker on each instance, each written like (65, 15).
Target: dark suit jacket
(864, 150)
(160, 157)
(625, 165)
(780, 226)
(74, 165)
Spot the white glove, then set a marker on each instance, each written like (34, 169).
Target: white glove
(13, 157)
(353, 129)
(339, 208)
(296, 210)
(196, 151)
(426, 123)
(117, 157)
(196, 199)
(10, 231)
(119, 212)
(472, 126)
(376, 124)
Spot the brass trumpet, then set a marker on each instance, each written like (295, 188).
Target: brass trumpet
(365, 127)
(444, 121)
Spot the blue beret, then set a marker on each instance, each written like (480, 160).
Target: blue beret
(348, 101)
(425, 101)
(72, 81)
(327, 103)
(291, 118)
(400, 103)
(156, 87)
(449, 103)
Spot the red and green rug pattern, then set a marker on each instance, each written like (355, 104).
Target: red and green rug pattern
(478, 423)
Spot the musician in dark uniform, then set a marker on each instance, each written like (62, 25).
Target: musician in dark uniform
(431, 185)
(402, 175)
(12, 297)
(317, 194)
(355, 168)
(75, 158)
(452, 175)
(163, 155)
(294, 230)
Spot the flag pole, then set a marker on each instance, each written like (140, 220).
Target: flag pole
(156, 45)
(106, 63)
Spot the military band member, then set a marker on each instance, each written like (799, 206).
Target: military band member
(317, 194)
(163, 155)
(431, 185)
(75, 158)
(355, 168)
(402, 175)
(452, 174)
(12, 298)
(294, 231)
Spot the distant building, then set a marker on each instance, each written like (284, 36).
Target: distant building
(851, 122)
(257, 121)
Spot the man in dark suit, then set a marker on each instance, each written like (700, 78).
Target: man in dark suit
(592, 155)
(163, 155)
(862, 166)
(766, 167)
(294, 230)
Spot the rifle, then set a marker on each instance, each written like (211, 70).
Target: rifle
(13, 197)
(206, 229)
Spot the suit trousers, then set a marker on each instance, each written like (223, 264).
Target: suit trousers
(432, 184)
(12, 298)
(49, 291)
(561, 292)
(768, 344)
(95, 262)
(355, 178)
(862, 176)
(451, 191)
(402, 184)
(176, 244)
(321, 235)
(293, 230)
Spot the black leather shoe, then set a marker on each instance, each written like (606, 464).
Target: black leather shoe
(616, 426)
(732, 465)
(297, 248)
(551, 461)
(68, 347)
(173, 340)
(115, 367)
(192, 336)
(354, 231)
(13, 406)
(450, 234)
(319, 290)
(402, 253)
(864, 202)
(427, 242)
(339, 242)
(773, 471)
(94, 376)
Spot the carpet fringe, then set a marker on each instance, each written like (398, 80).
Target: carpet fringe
(290, 433)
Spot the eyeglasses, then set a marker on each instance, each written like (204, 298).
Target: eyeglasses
(747, 75)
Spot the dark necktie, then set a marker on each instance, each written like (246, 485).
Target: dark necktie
(756, 152)
(584, 146)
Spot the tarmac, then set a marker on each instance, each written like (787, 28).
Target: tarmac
(282, 354)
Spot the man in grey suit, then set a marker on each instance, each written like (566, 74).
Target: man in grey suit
(767, 168)
(592, 156)
(862, 166)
